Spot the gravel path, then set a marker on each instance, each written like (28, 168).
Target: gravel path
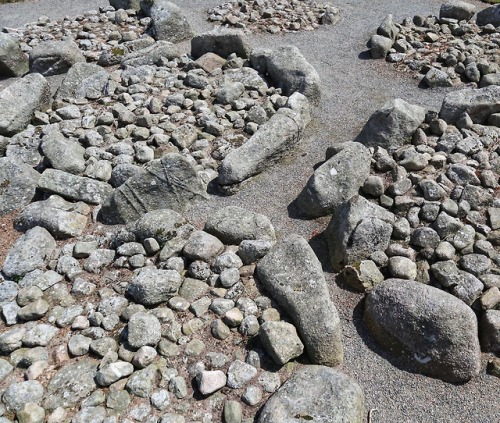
(353, 89)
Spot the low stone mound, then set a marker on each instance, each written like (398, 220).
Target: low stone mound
(274, 16)
(448, 50)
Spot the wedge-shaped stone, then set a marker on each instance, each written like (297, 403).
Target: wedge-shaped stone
(478, 103)
(292, 274)
(434, 332)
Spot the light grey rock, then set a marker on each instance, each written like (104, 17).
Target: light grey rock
(83, 80)
(240, 374)
(221, 41)
(71, 384)
(318, 393)
(170, 183)
(402, 268)
(143, 329)
(479, 104)
(54, 57)
(490, 15)
(387, 28)
(233, 412)
(335, 181)
(289, 70)
(113, 372)
(39, 335)
(362, 277)
(90, 414)
(230, 92)
(168, 21)
(72, 187)
(31, 413)
(280, 341)
(357, 228)
(19, 394)
(79, 345)
(392, 126)
(20, 100)
(153, 286)
(63, 153)
(13, 62)
(141, 382)
(203, 246)
(6, 368)
(294, 277)
(33, 311)
(162, 225)
(177, 385)
(271, 141)
(437, 78)
(252, 250)
(459, 10)
(402, 315)
(61, 218)
(232, 225)
(380, 46)
(211, 381)
(11, 340)
(150, 55)
(18, 182)
(29, 252)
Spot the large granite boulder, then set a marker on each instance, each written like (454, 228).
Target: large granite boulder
(293, 275)
(289, 70)
(335, 181)
(459, 10)
(316, 393)
(62, 153)
(222, 42)
(168, 22)
(30, 252)
(18, 183)
(13, 62)
(19, 101)
(54, 57)
(83, 80)
(490, 15)
(61, 218)
(392, 126)
(357, 229)
(170, 183)
(434, 332)
(478, 103)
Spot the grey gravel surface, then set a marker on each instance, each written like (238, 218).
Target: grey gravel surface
(354, 88)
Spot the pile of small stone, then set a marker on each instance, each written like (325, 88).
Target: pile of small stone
(443, 51)
(142, 311)
(274, 16)
(428, 207)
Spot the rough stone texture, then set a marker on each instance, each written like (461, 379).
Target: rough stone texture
(335, 181)
(316, 393)
(83, 80)
(73, 187)
(153, 286)
(19, 101)
(13, 62)
(63, 153)
(479, 104)
(202, 246)
(490, 15)
(222, 42)
(54, 57)
(379, 46)
(392, 126)
(357, 229)
(211, 381)
(272, 140)
(126, 4)
(18, 183)
(19, 394)
(432, 330)
(459, 10)
(29, 252)
(170, 183)
(281, 341)
(490, 331)
(161, 225)
(61, 218)
(233, 225)
(294, 277)
(151, 54)
(168, 21)
(289, 70)
(143, 329)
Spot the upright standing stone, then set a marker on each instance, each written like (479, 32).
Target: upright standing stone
(13, 62)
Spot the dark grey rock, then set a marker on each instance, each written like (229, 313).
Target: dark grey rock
(432, 330)
(293, 275)
(392, 126)
(29, 252)
(170, 183)
(357, 229)
(54, 57)
(459, 10)
(490, 15)
(490, 331)
(335, 181)
(13, 62)
(18, 183)
(316, 393)
(126, 4)
(222, 42)
(20, 100)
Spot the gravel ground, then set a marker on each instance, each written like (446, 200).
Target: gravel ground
(353, 88)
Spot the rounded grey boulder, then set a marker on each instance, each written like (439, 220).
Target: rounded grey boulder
(432, 330)
(316, 393)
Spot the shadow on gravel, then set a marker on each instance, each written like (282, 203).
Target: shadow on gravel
(365, 55)
(320, 248)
